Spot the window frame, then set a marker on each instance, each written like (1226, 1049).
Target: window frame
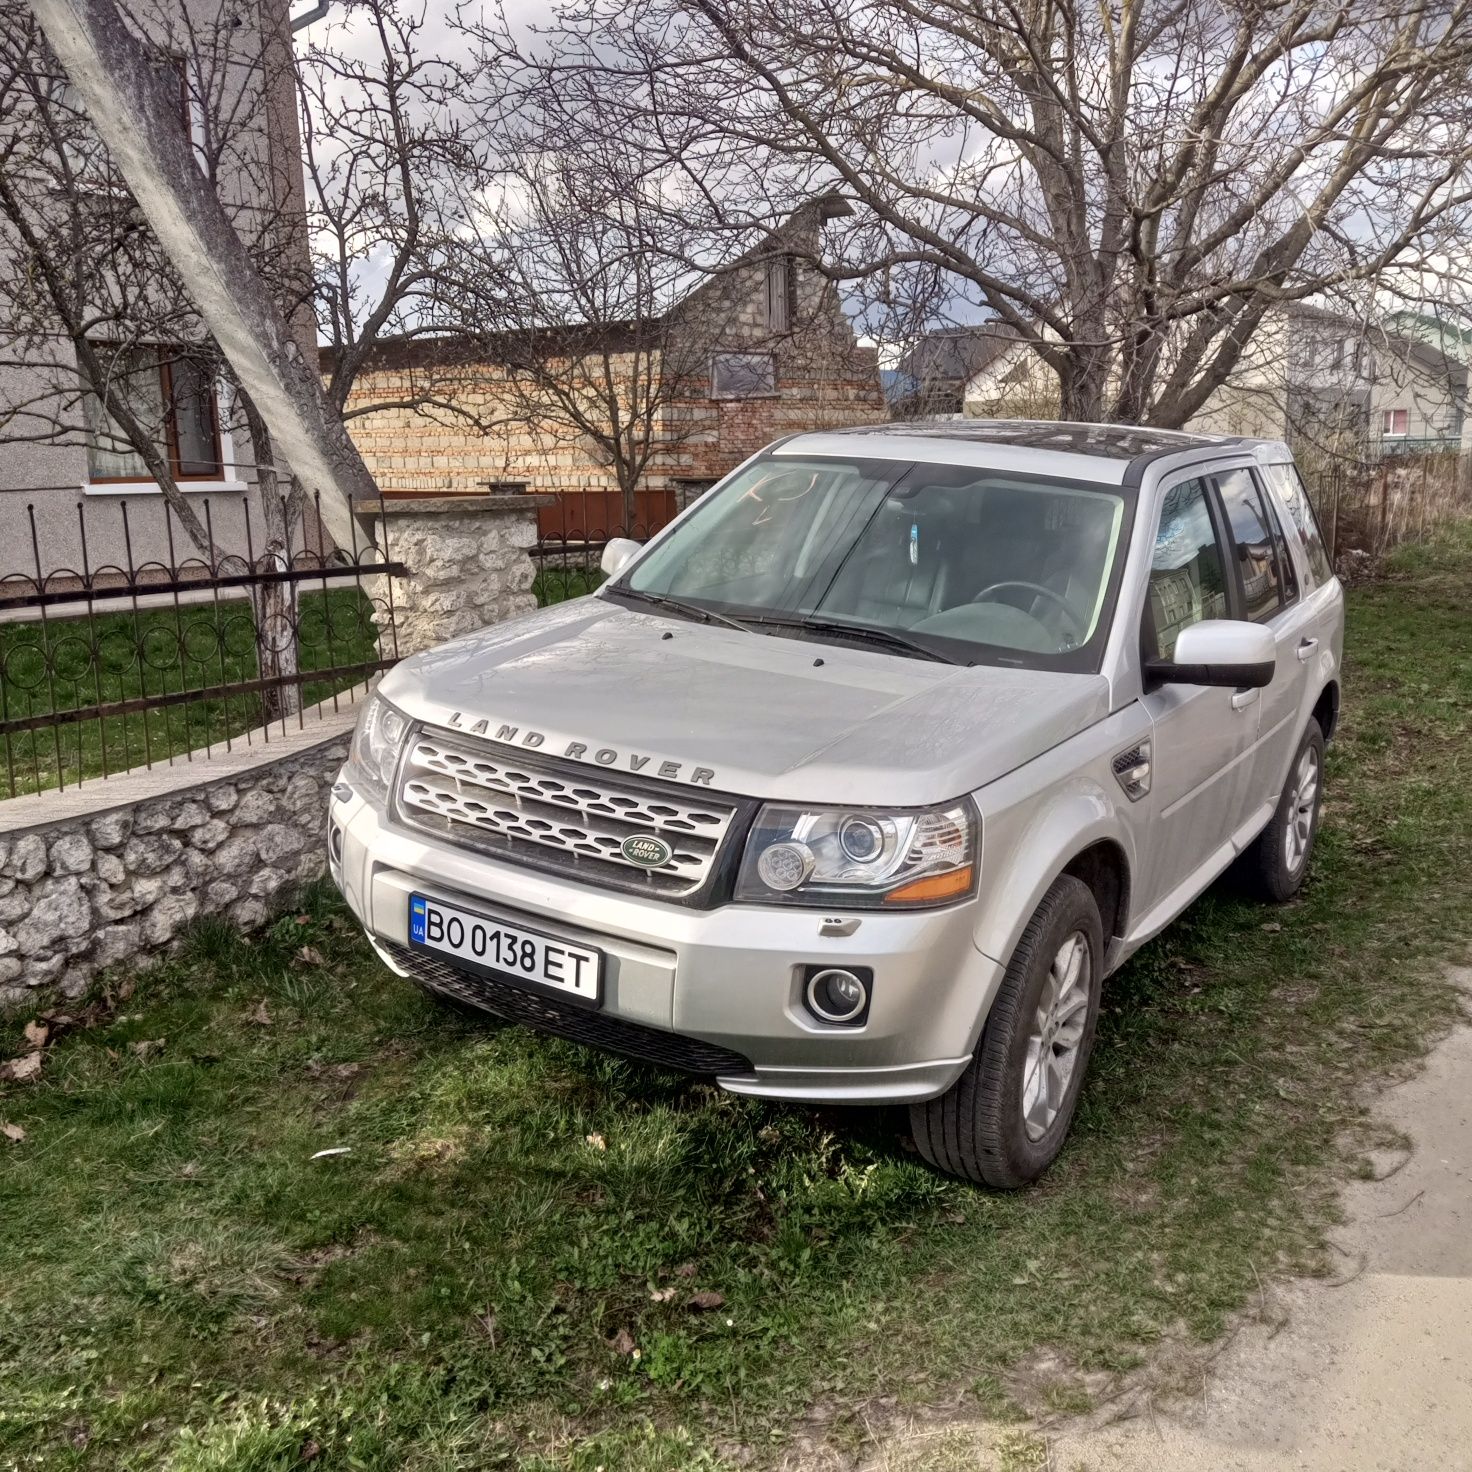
(1387, 417)
(730, 398)
(779, 282)
(163, 368)
(1289, 578)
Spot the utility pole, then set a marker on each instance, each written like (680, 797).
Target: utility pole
(136, 114)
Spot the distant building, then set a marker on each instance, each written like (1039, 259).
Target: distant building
(760, 350)
(1311, 377)
(932, 375)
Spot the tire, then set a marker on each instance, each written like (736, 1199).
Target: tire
(978, 1129)
(1275, 864)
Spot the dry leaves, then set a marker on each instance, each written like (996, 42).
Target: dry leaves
(262, 1015)
(22, 1069)
(707, 1298)
(310, 956)
(662, 1295)
(686, 1270)
(147, 1047)
(12, 1132)
(36, 1034)
(623, 1343)
(596, 1141)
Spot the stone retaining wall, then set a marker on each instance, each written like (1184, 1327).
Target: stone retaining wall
(116, 869)
(468, 566)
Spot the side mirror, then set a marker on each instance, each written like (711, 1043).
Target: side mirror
(617, 555)
(1220, 651)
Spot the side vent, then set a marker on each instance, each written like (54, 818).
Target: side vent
(1132, 770)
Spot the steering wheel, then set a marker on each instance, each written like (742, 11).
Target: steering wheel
(1076, 630)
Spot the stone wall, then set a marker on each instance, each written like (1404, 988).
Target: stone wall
(468, 566)
(114, 871)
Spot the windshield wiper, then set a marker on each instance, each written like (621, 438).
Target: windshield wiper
(679, 606)
(862, 632)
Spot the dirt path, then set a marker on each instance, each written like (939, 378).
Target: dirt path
(1369, 1373)
(1373, 1373)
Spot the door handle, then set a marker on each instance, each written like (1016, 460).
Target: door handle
(1241, 699)
(1306, 648)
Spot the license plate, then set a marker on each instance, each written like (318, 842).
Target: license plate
(506, 950)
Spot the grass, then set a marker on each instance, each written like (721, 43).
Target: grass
(560, 577)
(70, 664)
(182, 1286)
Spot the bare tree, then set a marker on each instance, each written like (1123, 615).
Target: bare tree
(389, 153)
(570, 284)
(105, 345)
(1130, 187)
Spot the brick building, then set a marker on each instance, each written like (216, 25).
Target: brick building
(759, 350)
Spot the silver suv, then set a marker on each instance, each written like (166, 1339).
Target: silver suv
(855, 783)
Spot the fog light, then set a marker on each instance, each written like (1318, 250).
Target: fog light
(837, 996)
(334, 844)
(784, 866)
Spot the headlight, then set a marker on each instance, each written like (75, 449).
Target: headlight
(375, 750)
(860, 856)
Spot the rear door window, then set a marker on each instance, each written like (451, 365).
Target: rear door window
(1253, 546)
(1291, 491)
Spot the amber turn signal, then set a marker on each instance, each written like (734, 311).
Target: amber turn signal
(932, 887)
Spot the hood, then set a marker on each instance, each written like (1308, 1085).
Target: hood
(759, 715)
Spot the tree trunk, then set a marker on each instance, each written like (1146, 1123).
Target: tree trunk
(628, 485)
(274, 604)
(1081, 390)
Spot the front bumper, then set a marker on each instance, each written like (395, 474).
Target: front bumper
(730, 977)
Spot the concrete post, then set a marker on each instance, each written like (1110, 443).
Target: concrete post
(469, 566)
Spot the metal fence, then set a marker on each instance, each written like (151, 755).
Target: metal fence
(117, 650)
(569, 549)
(1373, 505)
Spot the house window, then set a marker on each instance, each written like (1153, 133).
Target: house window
(173, 397)
(1395, 421)
(743, 376)
(779, 294)
(690, 488)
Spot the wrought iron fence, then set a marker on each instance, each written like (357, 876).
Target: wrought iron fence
(116, 651)
(569, 548)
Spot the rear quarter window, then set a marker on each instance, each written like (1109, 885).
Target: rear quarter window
(1288, 486)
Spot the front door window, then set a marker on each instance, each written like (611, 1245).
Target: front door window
(1187, 580)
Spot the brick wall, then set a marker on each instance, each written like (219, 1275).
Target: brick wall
(422, 446)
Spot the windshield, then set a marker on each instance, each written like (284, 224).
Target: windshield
(976, 565)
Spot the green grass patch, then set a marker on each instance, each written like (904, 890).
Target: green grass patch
(182, 1286)
(560, 577)
(65, 665)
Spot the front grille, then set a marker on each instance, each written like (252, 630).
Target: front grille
(559, 815)
(579, 1024)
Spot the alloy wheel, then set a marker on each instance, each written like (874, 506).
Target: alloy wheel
(1302, 808)
(1057, 1034)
